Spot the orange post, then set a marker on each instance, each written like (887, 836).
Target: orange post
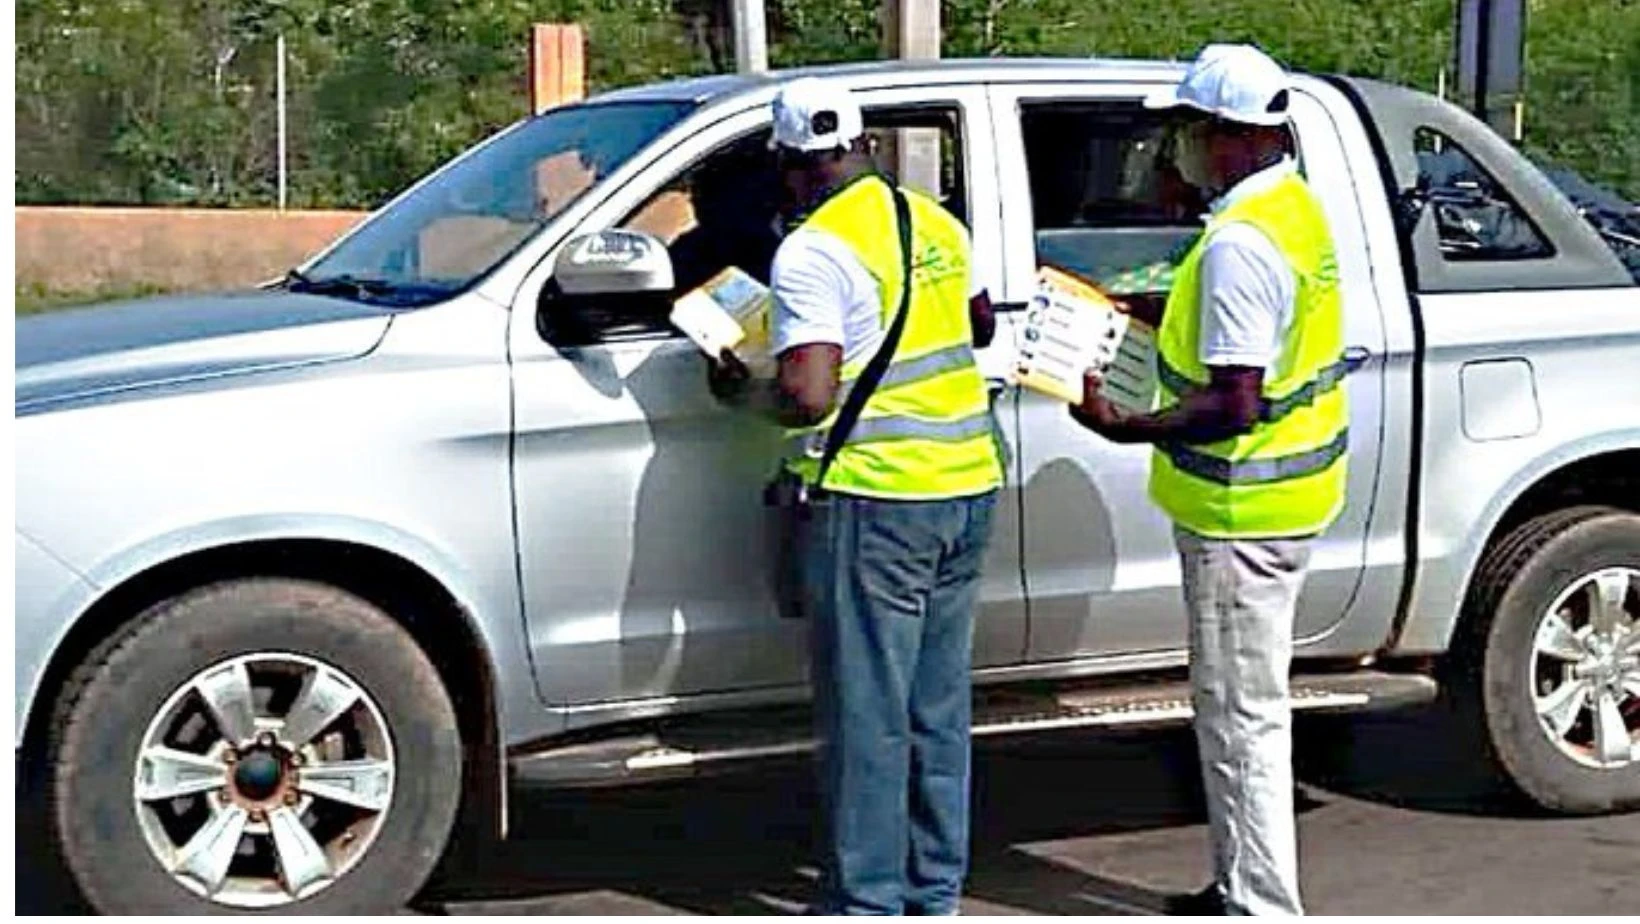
(557, 65)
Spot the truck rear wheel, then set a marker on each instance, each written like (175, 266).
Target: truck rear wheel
(1550, 658)
(257, 745)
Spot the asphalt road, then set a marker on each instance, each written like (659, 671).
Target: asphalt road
(1393, 820)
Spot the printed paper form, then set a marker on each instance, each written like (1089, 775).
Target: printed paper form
(1072, 326)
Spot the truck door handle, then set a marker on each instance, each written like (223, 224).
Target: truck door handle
(1355, 357)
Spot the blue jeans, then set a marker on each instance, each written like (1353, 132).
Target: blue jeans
(891, 587)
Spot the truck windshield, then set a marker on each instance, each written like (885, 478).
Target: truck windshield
(469, 217)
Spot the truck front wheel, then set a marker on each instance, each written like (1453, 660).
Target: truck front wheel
(261, 745)
(1550, 657)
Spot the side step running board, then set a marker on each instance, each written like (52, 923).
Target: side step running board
(696, 744)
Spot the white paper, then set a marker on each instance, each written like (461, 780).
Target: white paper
(729, 311)
(703, 321)
(1071, 327)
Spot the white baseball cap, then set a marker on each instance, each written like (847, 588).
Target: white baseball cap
(1234, 82)
(811, 114)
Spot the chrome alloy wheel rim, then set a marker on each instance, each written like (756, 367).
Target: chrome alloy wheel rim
(264, 779)
(1585, 669)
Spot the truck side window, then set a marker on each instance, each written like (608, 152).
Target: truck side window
(722, 210)
(1475, 219)
(719, 212)
(1105, 200)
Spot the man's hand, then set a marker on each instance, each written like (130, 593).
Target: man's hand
(1227, 407)
(727, 375)
(1096, 412)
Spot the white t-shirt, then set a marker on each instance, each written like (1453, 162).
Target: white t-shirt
(1247, 288)
(824, 294)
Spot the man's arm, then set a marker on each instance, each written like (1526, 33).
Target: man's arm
(1247, 297)
(810, 290)
(1227, 407)
(802, 393)
(809, 378)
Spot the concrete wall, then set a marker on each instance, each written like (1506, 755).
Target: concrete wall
(71, 250)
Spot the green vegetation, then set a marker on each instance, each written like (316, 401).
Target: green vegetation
(172, 101)
(33, 299)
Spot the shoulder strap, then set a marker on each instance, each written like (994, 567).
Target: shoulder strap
(849, 413)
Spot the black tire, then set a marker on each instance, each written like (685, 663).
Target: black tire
(104, 712)
(1517, 582)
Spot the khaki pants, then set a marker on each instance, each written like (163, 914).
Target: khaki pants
(1240, 597)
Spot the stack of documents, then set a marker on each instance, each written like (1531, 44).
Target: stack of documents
(730, 311)
(1072, 326)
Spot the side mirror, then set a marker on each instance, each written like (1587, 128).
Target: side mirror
(613, 263)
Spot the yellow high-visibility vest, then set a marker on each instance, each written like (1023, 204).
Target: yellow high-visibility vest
(1285, 478)
(925, 433)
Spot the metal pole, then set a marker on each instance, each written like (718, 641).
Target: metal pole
(1483, 57)
(911, 31)
(279, 81)
(751, 41)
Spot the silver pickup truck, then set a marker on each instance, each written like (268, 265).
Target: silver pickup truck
(310, 578)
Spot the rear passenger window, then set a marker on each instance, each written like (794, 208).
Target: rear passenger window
(1474, 218)
(1105, 203)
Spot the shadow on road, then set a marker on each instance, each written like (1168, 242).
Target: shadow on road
(740, 843)
(1427, 759)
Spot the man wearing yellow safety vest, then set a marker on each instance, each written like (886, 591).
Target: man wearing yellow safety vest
(890, 477)
(1251, 439)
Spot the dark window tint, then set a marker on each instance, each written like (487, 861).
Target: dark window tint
(1474, 218)
(1105, 198)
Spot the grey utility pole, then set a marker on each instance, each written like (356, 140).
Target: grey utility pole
(911, 31)
(751, 41)
(279, 79)
(1491, 51)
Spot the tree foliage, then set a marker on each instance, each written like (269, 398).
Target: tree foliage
(172, 101)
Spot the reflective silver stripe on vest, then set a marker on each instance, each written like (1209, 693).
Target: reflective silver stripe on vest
(937, 363)
(1272, 409)
(1326, 380)
(884, 429)
(908, 371)
(1256, 471)
(1172, 379)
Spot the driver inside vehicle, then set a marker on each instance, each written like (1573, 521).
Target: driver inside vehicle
(734, 222)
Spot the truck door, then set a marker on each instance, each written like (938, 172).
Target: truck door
(645, 548)
(1081, 191)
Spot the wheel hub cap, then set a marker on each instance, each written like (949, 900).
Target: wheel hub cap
(1585, 669)
(258, 775)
